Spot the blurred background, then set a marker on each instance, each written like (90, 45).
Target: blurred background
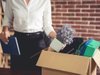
(82, 15)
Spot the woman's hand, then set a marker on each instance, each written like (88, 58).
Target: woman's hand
(52, 34)
(4, 35)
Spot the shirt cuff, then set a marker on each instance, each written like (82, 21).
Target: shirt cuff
(47, 31)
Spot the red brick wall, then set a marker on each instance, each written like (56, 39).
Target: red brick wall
(82, 15)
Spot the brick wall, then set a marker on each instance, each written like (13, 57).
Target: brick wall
(82, 15)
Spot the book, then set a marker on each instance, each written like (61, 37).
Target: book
(12, 47)
(56, 45)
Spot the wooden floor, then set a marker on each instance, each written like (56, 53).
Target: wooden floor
(10, 72)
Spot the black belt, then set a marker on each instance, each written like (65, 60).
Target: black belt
(28, 34)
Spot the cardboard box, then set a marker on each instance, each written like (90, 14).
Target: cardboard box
(54, 63)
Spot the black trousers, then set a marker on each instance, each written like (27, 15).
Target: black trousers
(29, 44)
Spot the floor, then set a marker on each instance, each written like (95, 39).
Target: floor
(9, 72)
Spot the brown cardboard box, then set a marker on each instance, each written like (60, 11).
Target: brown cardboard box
(54, 63)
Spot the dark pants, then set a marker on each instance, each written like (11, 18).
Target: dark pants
(29, 44)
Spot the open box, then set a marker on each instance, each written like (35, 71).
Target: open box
(54, 63)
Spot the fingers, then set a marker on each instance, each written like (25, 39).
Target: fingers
(4, 37)
(52, 34)
(7, 35)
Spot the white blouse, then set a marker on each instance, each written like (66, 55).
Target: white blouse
(34, 17)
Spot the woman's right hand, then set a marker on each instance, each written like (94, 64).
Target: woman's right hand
(4, 35)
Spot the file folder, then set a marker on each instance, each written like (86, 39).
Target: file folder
(12, 47)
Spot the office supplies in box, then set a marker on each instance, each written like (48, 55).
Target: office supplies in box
(88, 48)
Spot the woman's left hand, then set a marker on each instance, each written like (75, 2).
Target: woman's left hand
(52, 34)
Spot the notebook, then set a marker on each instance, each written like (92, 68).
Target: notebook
(56, 45)
(11, 47)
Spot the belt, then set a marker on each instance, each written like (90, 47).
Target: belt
(28, 34)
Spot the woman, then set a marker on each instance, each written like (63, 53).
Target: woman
(30, 19)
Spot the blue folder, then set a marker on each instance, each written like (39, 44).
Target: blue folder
(11, 47)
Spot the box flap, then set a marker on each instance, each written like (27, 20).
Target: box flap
(64, 62)
(96, 57)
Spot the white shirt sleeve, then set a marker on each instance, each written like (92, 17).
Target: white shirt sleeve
(47, 19)
(8, 14)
